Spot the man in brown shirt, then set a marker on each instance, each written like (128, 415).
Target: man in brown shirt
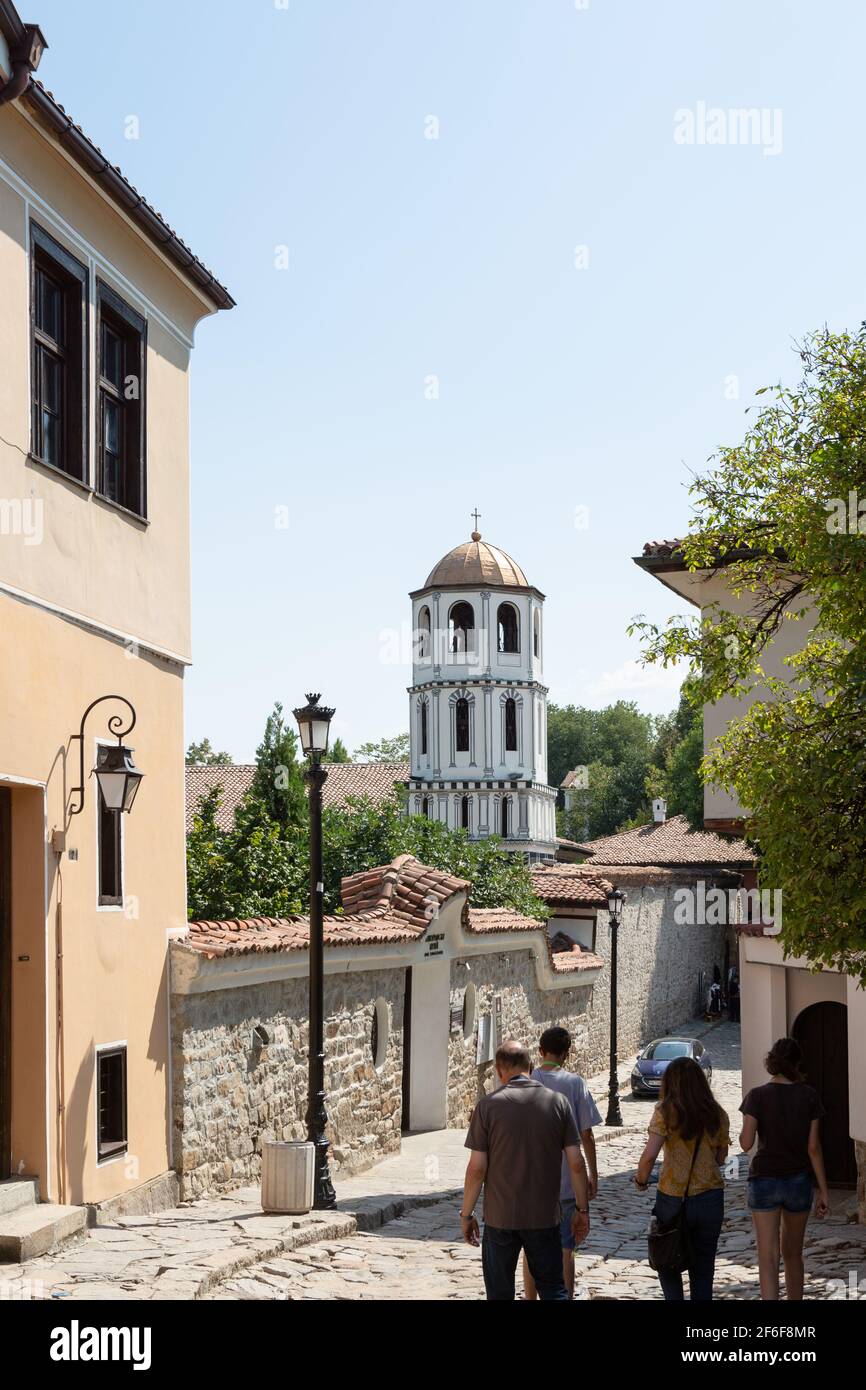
(517, 1137)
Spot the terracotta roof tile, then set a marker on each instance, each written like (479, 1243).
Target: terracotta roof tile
(571, 777)
(566, 961)
(234, 782)
(485, 920)
(570, 885)
(497, 919)
(664, 548)
(669, 843)
(371, 781)
(395, 902)
(265, 935)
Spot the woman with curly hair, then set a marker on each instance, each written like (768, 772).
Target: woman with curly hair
(785, 1116)
(695, 1133)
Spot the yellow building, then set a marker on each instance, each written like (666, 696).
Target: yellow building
(99, 301)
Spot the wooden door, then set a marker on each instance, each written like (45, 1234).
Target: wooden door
(822, 1032)
(5, 982)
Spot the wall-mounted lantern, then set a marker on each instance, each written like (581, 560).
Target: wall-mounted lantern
(115, 771)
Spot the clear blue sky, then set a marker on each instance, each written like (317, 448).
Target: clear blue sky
(559, 388)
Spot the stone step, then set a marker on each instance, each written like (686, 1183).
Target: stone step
(16, 1193)
(33, 1231)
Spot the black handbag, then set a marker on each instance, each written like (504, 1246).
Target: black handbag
(670, 1245)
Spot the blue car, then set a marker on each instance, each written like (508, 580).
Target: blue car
(649, 1067)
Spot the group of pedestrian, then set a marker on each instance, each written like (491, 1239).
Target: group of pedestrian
(533, 1152)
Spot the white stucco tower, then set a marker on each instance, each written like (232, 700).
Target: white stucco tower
(478, 704)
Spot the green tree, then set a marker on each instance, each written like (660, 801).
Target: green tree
(780, 518)
(204, 755)
(254, 870)
(615, 747)
(338, 753)
(278, 782)
(387, 750)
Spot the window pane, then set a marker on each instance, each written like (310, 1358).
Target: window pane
(111, 1102)
(110, 881)
(51, 378)
(50, 438)
(112, 356)
(111, 425)
(49, 306)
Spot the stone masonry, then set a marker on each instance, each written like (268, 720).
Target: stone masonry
(659, 966)
(235, 1087)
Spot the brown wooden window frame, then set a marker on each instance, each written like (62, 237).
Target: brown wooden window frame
(51, 260)
(112, 1128)
(129, 489)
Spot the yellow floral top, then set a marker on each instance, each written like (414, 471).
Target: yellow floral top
(678, 1158)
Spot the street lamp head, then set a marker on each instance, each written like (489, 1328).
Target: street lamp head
(615, 900)
(118, 777)
(314, 722)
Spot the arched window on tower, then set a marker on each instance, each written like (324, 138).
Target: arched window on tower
(511, 725)
(426, 807)
(422, 637)
(536, 634)
(461, 725)
(464, 813)
(508, 628)
(461, 628)
(423, 726)
(504, 812)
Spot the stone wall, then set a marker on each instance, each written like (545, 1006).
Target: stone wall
(658, 970)
(231, 1091)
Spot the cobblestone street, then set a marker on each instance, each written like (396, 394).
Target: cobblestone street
(418, 1257)
(395, 1234)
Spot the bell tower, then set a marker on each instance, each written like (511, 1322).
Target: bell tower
(478, 703)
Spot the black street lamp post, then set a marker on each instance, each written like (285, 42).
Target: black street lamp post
(615, 901)
(314, 722)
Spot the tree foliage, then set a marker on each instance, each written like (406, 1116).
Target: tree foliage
(781, 517)
(256, 869)
(203, 754)
(278, 782)
(386, 750)
(624, 758)
(338, 752)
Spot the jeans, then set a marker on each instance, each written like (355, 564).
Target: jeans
(704, 1215)
(500, 1251)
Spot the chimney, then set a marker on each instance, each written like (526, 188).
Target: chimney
(660, 810)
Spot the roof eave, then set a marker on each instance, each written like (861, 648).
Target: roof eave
(498, 588)
(120, 190)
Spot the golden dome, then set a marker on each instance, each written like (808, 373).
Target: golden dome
(477, 563)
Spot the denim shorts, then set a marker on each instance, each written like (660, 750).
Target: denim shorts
(790, 1194)
(566, 1212)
